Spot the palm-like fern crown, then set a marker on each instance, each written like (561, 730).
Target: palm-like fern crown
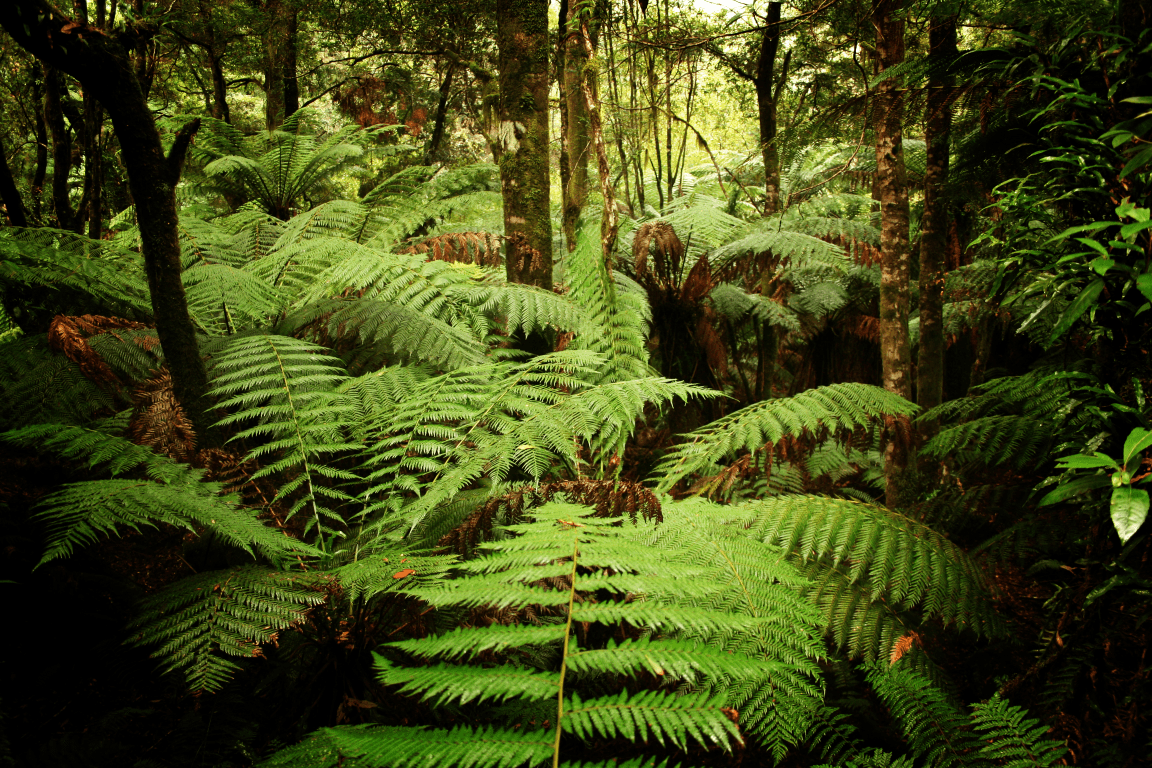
(280, 168)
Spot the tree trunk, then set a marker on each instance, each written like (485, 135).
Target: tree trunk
(41, 128)
(766, 107)
(291, 45)
(934, 224)
(578, 145)
(521, 139)
(103, 66)
(9, 193)
(895, 260)
(432, 154)
(275, 55)
(61, 149)
(609, 223)
(93, 165)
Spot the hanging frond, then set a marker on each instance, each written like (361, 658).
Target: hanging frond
(871, 567)
(1012, 740)
(79, 513)
(733, 303)
(201, 620)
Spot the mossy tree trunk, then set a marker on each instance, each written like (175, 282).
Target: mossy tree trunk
(934, 224)
(104, 67)
(577, 144)
(521, 139)
(895, 263)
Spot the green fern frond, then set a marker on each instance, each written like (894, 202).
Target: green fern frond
(796, 248)
(282, 390)
(618, 317)
(825, 409)
(225, 300)
(752, 579)
(1011, 740)
(38, 384)
(113, 277)
(79, 513)
(201, 619)
(380, 572)
(1016, 441)
(554, 566)
(870, 565)
(733, 303)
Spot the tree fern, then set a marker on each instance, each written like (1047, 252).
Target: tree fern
(871, 567)
(176, 494)
(575, 572)
(281, 391)
(201, 619)
(1015, 441)
(827, 409)
(39, 384)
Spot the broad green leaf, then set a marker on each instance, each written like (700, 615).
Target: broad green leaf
(1102, 265)
(1082, 461)
(1078, 307)
(1136, 226)
(1138, 440)
(1144, 284)
(1129, 508)
(1140, 159)
(1079, 485)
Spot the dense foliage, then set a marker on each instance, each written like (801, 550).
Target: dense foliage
(811, 428)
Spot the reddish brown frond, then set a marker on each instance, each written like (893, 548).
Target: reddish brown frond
(69, 336)
(481, 248)
(158, 421)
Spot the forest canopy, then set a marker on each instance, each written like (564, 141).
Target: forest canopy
(590, 383)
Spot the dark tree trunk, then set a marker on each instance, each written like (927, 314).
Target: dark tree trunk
(432, 154)
(41, 171)
(934, 224)
(103, 66)
(9, 193)
(895, 261)
(291, 82)
(219, 89)
(521, 139)
(61, 149)
(93, 165)
(766, 107)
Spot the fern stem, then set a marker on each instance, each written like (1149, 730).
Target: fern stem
(564, 656)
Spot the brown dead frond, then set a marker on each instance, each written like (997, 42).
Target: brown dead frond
(902, 646)
(158, 421)
(667, 250)
(480, 248)
(864, 327)
(69, 336)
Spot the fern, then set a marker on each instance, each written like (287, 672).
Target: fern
(203, 618)
(733, 303)
(573, 571)
(871, 566)
(282, 389)
(1011, 740)
(839, 407)
(618, 318)
(1015, 441)
(41, 385)
(753, 579)
(80, 512)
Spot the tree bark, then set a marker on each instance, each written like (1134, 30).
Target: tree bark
(432, 154)
(275, 53)
(9, 193)
(895, 260)
(103, 66)
(291, 43)
(93, 165)
(578, 145)
(61, 149)
(766, 107)
(521, 139)
(41, 128)
(934, 224)
(609, 223)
